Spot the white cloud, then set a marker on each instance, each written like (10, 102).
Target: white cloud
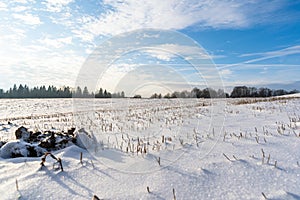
(3, 6)
(260, 74)
(225, 72)
(168, 51)
(20, 8)
(28, 19)
(265, 56)
(278, 53)
(114, 74)
(135, 77)
(159, 54)
(57, 42)
(256, 66)
(56, 5)
(128, 15)
(22, 1)
(85, 36)
(39, 66)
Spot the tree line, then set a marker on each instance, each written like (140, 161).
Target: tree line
(67, 92)
(244, 91)
(194, 93)
(237, 92)
(54, 92)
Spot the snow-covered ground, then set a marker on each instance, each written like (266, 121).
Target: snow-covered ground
(196, 148)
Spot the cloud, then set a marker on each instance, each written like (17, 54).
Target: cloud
(260, 74)
(56, 5)
(57, 42)
(127, 15)
(85, 36)
(39, 66)
(159, 54)
(278, 53)
(20, 8)
(22, 1)
(265, 56)
(3, 6)
(28, 18)
(132, 78)
(256, 66)
(166, 52)
(225, 72)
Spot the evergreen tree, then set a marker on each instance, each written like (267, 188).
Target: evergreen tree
(101, 93)
(85, 92)
(78, 92)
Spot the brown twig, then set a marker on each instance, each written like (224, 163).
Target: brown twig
(264, 195)
(81, 158)
(227, 157)
(17, 185)
(52, 156)
(174, 195)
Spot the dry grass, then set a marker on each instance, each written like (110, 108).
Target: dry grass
(243, 101)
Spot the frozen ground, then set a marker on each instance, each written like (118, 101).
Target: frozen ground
(233, 149)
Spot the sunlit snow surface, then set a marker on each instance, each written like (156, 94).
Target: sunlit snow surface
(199, 133)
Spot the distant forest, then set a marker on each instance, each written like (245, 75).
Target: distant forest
(243, 91)
(54, 92)
(238, 92)
(67, 92)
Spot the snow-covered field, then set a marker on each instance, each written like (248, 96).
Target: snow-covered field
(179, 148)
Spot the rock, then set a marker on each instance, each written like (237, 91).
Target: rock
(30, 144)
(49, 142)
(34, 136)
(43, 136)
(45, 144)
(15, 149)
(86, 140)
(56, 141)
(22, 133)
(2, 143)
(35, 151)
(71, 131)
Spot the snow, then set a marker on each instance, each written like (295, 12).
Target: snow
(19, 149)
(293, 95)
(192, 157)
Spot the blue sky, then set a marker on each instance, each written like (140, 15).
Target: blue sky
(253, 42)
